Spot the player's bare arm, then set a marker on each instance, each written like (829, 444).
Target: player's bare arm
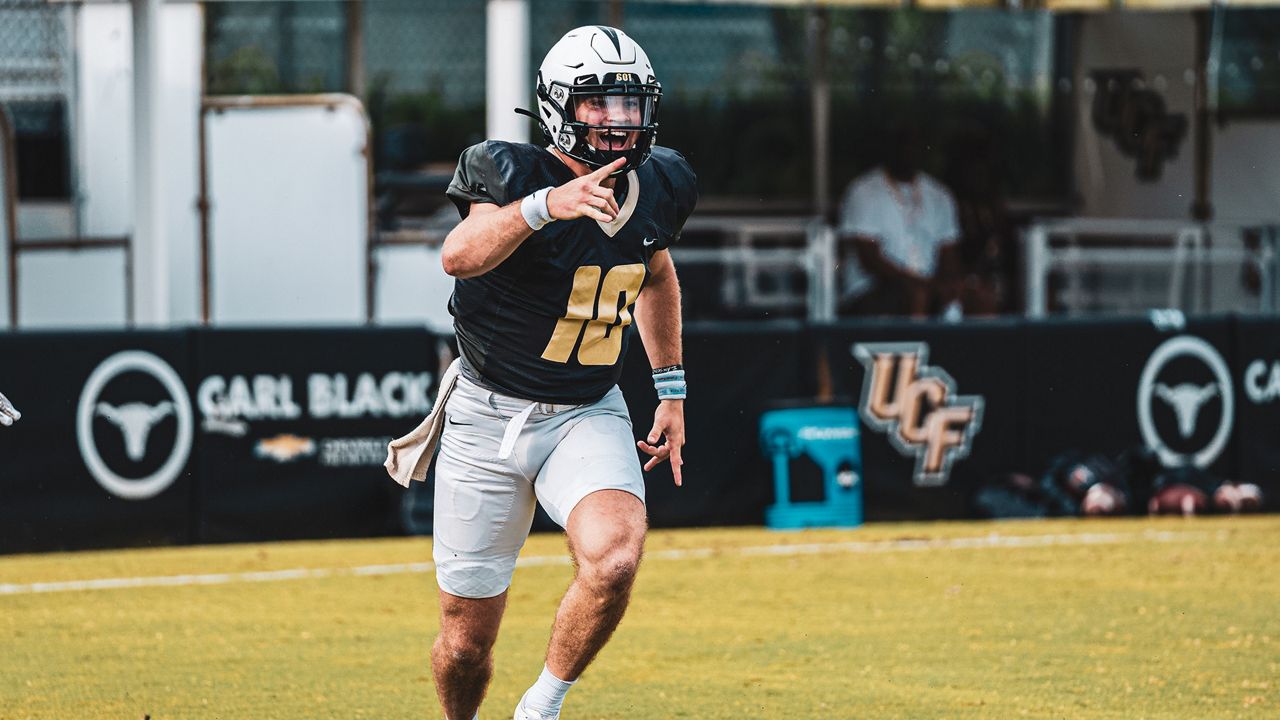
(490, 233)
(484, 239)
(657, 313)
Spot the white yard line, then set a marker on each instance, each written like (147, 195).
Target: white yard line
(981, 542)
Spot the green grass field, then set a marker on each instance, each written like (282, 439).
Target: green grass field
(1065, 619)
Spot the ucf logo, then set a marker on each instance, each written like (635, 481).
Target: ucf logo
(917, 407)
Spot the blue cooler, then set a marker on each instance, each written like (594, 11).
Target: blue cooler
(828, 436)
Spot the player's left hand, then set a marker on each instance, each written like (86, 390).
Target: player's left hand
(8, 413)
(668, 420)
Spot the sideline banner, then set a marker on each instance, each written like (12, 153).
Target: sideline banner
(735, 373)
(138, 438)
(294, 426)
(102, 454)
(938, 405)
(1107, 386)
(1257, 364)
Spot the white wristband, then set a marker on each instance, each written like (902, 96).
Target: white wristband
(534, 209)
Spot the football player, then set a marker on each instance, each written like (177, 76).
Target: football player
(559, 249)
(8, 413)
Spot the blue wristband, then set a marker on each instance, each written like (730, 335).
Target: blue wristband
(669, 382)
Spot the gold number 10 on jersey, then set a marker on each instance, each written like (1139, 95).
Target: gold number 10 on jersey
(600, 313)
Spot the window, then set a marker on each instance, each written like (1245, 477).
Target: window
(1248, 67)
(41, 145)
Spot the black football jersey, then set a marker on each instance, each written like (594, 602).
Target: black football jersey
(550, 323)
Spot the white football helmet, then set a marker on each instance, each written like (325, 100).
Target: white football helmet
(608, 75)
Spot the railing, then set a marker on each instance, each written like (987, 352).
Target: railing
(760, 256)
(756, 276)
(755, 272)
(1097, 265)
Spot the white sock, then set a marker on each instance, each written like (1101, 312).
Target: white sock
(547, 694)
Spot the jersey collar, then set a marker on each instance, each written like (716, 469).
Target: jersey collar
(628, 206)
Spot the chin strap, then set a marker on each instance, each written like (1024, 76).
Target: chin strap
(541, 125)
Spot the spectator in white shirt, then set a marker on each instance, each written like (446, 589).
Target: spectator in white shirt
(903, 226)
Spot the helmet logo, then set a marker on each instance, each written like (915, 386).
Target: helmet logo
(612, 35)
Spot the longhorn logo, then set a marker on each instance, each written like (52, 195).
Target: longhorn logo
(917, 407)
(135, 420)
(1187, 400)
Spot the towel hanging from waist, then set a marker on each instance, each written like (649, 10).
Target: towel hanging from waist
(408, 457)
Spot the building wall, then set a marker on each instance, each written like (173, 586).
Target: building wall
(181, 41)
(1245, 154)
(1105, 178)
(102, 104)
(1246, 171)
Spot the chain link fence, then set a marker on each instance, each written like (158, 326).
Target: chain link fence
(983, 86)
(737, 78)
(419, 63)
(35, 62)
(736, 93)
(275, 47)
(424, 69)
(37, 82)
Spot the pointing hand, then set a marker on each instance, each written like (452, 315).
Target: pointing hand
(586, 196)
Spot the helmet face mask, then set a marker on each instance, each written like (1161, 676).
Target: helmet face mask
(598, 99)
(616, 123)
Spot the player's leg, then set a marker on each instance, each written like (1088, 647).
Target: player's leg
(483, 509)
(462, 654)
(591, 485)
(606, 538)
